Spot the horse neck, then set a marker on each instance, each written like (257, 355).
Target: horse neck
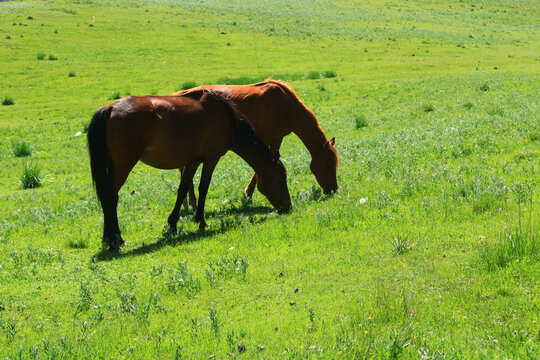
(306, 127)
(253, 155)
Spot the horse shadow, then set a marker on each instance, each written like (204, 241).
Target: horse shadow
(221, 221)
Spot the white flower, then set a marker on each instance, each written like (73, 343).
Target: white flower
(78, 133)
(232, 248)
(363, 200)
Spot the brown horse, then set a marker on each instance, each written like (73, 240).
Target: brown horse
(175, 132)
(274, 110)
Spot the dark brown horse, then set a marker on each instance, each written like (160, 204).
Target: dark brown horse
(274, 110)
(175, 132)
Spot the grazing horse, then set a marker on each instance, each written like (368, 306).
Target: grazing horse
(175, 132)
(274, 110)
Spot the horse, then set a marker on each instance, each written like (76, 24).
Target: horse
(274, 110)
(175, 132)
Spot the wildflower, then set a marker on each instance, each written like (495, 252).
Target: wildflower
(369, 318)
(359, 325)
(363, 200)
(366, 332)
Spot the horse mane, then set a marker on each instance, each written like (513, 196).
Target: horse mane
(243, 128)
(311, 116)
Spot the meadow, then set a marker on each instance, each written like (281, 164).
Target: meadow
(429, 250)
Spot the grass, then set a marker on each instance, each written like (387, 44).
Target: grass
(78, 243)
(30, 178)
(484, 87)
(496, 111)
(360, 121)
(244, 80)
(186, 85)
(428, 249)
(312, 75)
(329, 74)
(21, 149)
(6, 100)
(513, 245)
(401, 244)
(43, 56)
(115, 95)
(182, 280)
(428, 108)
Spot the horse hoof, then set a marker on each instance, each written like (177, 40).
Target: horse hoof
(248, 191)
(114, 248)
(172, 230)
(246, 199)
(119, 241)
(113, 244)
(202, 226)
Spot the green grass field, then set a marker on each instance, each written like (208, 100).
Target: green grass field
(429, 250)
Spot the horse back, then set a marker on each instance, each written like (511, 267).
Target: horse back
(267, 106)
(168, 131)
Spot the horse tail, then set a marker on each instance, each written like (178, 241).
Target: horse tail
(99, 154)
(242, 126)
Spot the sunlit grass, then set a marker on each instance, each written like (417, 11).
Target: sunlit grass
(428, 249)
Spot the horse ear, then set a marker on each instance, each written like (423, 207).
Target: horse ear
(276, 156)
(332, 141)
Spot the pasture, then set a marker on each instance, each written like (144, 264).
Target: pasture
(429, 250)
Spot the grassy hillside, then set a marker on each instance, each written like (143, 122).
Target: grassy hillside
(430, 249)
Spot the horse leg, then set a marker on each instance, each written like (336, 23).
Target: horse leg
(185, 200)
(111, 233)
(275, 144)
(250, 188)
(206, 176)
(192, 198)
(187, 179)
(191, 195)
(111, 230)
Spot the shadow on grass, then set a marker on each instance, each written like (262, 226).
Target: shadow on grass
(221, 222)
(239, 210)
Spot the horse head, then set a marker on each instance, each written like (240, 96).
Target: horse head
(272, 183)
(324, 166)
